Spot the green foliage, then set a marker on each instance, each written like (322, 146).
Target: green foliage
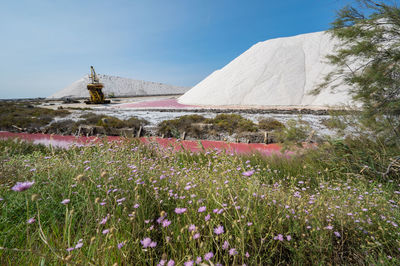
(113, 122)
(296, 131)
(369, 60)
(232, 123)
(270, 124)
(25, 115)
(333, 202)
(175, 127)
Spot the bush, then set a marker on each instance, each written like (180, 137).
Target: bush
(25, 115)
(175, 127)
(232, 123)
(294, 132)
(270, 124)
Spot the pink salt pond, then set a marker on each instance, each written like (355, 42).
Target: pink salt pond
(164, 103)
(170, 143)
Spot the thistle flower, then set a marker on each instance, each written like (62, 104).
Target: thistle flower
(22, 186)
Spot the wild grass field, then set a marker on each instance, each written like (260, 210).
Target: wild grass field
(123, 203)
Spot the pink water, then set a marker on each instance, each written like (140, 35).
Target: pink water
(170, 143)
(165, 103)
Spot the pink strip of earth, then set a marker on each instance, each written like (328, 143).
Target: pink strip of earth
(170, 143)
(165, 103)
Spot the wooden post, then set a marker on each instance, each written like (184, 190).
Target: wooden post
(139, 132)
(162, 136)
(184, 135)
(265, 137)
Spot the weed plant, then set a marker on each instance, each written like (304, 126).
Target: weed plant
(127, 204)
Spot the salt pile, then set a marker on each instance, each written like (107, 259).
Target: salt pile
(117, 86)
(277, 72)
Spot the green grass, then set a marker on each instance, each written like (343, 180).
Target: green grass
(301, 197)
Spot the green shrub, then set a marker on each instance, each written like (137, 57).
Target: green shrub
(175, 127)
(270, 124)
(232, 123)
(25, 115)
(294, 132)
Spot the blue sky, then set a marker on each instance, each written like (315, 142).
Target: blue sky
(47, 44)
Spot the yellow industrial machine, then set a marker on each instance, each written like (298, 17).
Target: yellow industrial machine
(95, 89)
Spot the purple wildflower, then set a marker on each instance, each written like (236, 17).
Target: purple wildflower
(21, 186)
(105, 231)
(288, 237)
(192, 228)
(31, 220)
(146, 242)
(189, 263)
(225, 245)
(136, 206)
(337, 234)
(120, 245)
(180, 210)
(79, 245)
(279, 237)
(208, 256)
(69, 249)
(219, 230)
(161, 263)
(248, 173)
(196, 236)
(171, 263)
(166, 223)
(198, 260)
(65, 201)
(202, 209)
(232, 252)
(247, 255)
(104, 220)
(207, 217)
(153, 244)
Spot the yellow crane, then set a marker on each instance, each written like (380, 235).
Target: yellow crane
(95, 89)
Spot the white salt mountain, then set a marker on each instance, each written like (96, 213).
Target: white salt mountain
(117, 86)
(277, 72)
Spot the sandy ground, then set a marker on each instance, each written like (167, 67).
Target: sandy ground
(171, 102)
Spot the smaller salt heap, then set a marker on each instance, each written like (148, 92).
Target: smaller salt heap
(117, 86)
